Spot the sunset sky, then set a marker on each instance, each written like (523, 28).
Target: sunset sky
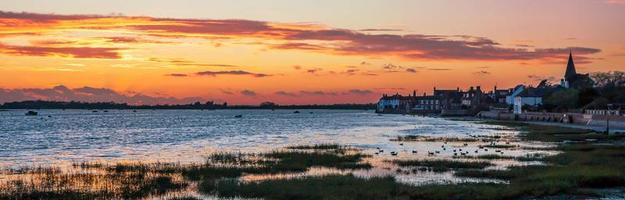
(295, 52)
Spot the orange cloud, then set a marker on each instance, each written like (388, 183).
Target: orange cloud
(302, 37)
(233, 72)
(75, 52)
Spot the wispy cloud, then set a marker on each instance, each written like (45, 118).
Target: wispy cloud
(482, 73)
(359, 92)
(314, 70)
(232, 72)
(87, 94)
(318, 93)
(380, 30)
(177, 75)
(540, 78)
(184, 62)
(248, 93)
(74, 52)
(284, 93)
(306, 93)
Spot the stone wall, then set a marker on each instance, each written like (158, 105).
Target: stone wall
(617, 122)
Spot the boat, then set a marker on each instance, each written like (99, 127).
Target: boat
(238, 116)
(31, 113)
(296, 111)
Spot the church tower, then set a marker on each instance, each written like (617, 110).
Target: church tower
(570, 74)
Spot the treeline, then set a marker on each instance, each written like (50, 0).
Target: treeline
(103, 105)
(40, 104)
(606, 88)
(313, 106)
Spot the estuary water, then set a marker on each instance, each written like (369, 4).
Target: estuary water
(186, 136)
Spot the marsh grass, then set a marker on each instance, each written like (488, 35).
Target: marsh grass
(499, 146)
(295, 159)
(317, 147)
(141, 180)
(421, 138)
(443, 165)
(279, 162)
(105, 185)
(324, 187)
(184, 198)
(579, 166)
(528, 157)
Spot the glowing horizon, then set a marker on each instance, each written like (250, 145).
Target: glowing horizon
(246, 58)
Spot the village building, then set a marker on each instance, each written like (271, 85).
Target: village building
(499, 96)
(427, 104)
(473, 100)
(572, 79)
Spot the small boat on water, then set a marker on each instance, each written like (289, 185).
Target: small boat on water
(31, 113)
(238, 116)
(297, 111)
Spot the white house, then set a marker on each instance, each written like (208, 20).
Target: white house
(521, 100)
(527, 97)
(388, 102)
(515, 92)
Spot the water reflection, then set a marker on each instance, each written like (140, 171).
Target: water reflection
(187, 137)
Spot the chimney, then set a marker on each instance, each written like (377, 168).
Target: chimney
(414, 93)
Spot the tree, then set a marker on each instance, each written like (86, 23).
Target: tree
(583, 82)
(564, 99)
(609, 79)
(587, 95)
(611, 85)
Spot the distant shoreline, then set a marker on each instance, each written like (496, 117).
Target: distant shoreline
(37, 105)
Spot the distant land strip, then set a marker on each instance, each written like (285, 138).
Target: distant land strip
(40, 104)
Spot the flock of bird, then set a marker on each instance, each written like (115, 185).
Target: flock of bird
(457, 151)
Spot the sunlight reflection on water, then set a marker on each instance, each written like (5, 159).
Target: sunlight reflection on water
(188, 136)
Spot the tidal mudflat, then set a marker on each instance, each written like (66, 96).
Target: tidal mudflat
(512, 160)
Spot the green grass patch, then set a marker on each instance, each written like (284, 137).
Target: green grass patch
(280, 162)
(326, 187)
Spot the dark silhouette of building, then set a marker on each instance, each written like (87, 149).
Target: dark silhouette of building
(574, 80)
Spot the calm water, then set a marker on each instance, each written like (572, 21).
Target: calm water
(66, 136)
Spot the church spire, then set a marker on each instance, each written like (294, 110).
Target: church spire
(570, 68)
